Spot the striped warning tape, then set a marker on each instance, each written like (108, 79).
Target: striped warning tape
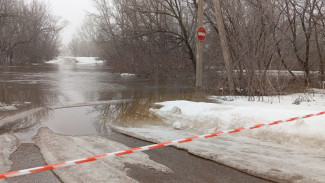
(144, 148)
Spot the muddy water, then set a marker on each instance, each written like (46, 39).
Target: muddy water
(29, 87)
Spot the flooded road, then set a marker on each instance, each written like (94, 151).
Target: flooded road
(30, 87)
(76, 100)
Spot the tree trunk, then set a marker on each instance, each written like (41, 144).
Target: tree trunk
(306, 64)
(224, 46)
(320, 56)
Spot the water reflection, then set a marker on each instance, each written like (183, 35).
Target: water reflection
(137, 113)
(95, 120)
(24, 87)
(25, 124)
(69, 84)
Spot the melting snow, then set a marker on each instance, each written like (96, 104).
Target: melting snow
(292, 151)
(88, 60)
(127, 74)
(60, 148)
(9, 144)
(75, 60)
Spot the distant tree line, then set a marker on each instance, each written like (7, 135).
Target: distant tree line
(82, 45)
(29, 33)
(145, 37)
(157, 38)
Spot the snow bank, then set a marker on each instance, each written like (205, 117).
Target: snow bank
(59, 148)
(127, 74)
(75, 60)
(8, 108)
(232, 113)
(9, 144)
(54, 61)
(88, 60)
(292, 151)
(13, 106)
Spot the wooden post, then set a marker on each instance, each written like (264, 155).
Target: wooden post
(199, 47)
(224, 45)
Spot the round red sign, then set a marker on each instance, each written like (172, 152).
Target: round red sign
(201, 34)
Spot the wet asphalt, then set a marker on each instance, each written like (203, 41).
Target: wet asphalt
(29, 156)
(186, 167)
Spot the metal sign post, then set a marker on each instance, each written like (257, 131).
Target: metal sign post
(201, 34)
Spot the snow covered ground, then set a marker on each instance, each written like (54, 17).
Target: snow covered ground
(12, 107)
(292, 151)
(127, 74)
(88, 60)
(4, 107)
(8, 144)
(59, 148)
(75, 60)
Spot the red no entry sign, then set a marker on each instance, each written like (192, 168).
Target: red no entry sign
(201, 34)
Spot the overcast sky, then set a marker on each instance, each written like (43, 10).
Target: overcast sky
(71, 10)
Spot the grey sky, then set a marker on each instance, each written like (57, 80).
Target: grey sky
(71, 10)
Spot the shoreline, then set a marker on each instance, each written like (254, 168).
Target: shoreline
(21, 115)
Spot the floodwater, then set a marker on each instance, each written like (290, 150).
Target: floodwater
(67, 86)
(29, 87)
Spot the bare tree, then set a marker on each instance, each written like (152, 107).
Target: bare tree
(319, 23)
(267, 39)
(300, 17)
(29, 33)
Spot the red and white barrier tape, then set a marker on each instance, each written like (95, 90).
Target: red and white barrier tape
(144, 148)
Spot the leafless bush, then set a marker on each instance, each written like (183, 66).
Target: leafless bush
(156, 38)
(302, 98)
(28, 32)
